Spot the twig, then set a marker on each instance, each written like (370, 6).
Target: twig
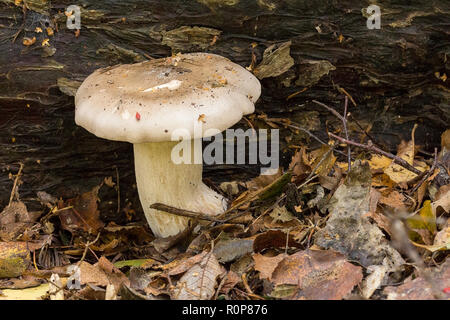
(427, 175)
(118, 190)
(53, 213)
(298, 127)
(183, 213)
(16, 180)
(87, 247)
(344, 122)
(371, 147)
(337, 114)
(360, 127)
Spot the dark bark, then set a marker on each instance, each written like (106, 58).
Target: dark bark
(390, 73)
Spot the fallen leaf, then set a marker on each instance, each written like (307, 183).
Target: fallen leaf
(14, 259)
(442, 203)
(319, 275)
(348, 229)
(84, 216)
(273, 239)
(275, 61)
(231, 280)
(182, 265)
(419, 288)
(378, 162)
(324, 160)
(35, 293)
(299, 165)
(281, 214)
(23, 282)
(199, 282)
(266, 265)
(399, 174)
(15, 220)
(230, 250)
(311, 71)
(393, 199)
(424, 223)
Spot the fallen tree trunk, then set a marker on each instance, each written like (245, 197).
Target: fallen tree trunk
(396, 76)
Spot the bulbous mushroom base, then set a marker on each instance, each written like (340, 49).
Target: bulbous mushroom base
(160, 180)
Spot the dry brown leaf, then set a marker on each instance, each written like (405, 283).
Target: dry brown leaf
(281, 214)
(266, 265)
(320, 275)
(103, 273)
(92, 274)
(15, 220)
(442, 203)
(420, 289)
(231, 280)
(185, 264)
(300, 165)
(273, 239)
(393, 199)
(199, 282)
(84, 215)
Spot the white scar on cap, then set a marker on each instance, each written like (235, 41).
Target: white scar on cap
(125, 115)
(171, 85)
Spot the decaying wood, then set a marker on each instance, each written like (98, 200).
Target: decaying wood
(396, 76)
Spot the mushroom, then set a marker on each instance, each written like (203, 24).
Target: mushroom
(149, 104)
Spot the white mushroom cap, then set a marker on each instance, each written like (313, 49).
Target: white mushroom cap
(148, 101)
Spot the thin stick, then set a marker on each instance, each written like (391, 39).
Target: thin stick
(427, 175)
(361, 128)
(329, 109)
(371, 147)
(87, 247)
(283, 122)
(16, 180)
(183, 213)
(118, 190)
(344, 122)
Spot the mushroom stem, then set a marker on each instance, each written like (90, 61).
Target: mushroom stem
(159, 179)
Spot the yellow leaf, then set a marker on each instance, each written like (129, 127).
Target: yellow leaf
(434, 247)
(379, 162)
(425, 219)
(35, 293)
(324, 160)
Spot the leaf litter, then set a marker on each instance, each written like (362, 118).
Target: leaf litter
(316, 229)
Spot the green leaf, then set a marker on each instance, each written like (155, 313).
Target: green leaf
(133, 263)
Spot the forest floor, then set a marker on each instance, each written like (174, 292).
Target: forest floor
(345, 221)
